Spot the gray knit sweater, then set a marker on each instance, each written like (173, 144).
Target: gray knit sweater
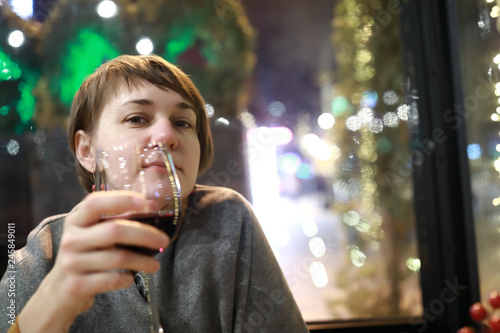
(218, 276)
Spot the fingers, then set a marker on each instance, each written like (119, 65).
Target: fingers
(83, 286)
(100, 261)
(113, 232)
(98, 204)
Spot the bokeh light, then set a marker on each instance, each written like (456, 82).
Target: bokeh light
(317, 247)
(282, 135)
(353, 123)
(413, 264)
(376, 126)
(369, 99)
(222, 121)
(365, 115)
(358, 258)
(107, 9)
(16, 38)
(247, 119)
(144, 46)
(209, 109)
(276, 109)
(403, 111)
(326, 121)
(474, 151)
(317, 147)
(304, 171)
(289, 163)
(23, 8)
(390, 119)
(351, 218)
(318, 274)
(390, 97)
(12, 147)
(309, 228)
(340, 106)
(8, 68)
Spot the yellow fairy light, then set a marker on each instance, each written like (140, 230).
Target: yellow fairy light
(495, 11)
(496, 60)
(497, 165)
(495, 117)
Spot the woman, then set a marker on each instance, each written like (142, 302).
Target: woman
(218, 276)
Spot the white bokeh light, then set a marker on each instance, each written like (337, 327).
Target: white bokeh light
(391, 119)
(16, 38)
(403, 111)
(326, 121)
(144, 46)
(209, 109)
(317, 247)
(247, 119)
(222, 121)
(376, 126)
(107, 9)
(23, 8)
(353, 123)
(317, 147)
(390, 97)
(318, 274)
(365, 115)
(309, 227)
(12, 147)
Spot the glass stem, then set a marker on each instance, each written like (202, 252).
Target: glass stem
(152, 297)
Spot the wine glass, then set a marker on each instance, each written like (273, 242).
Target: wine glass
(149, 170)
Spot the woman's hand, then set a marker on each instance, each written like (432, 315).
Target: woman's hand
(89, 262)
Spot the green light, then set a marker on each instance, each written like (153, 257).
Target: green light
(87, 52)
(8, 69)
(384, 145)
(181, 39)
(339, 106)
(26, 105)
(4, 110)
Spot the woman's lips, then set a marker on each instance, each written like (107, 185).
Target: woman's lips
(159, 166)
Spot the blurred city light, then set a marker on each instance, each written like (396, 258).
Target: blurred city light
(23, 8)
(318, 274)
(107, 9)
(144, 46)
(326, 121)
(16, 38)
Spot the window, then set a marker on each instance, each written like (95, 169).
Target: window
(327, 133)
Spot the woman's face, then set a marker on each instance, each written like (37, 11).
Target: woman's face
(142, 117)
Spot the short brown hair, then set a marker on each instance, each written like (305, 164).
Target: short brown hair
(99, 87)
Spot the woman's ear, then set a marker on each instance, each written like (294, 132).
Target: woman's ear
(84, 151)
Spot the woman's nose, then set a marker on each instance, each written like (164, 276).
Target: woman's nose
(163, 131)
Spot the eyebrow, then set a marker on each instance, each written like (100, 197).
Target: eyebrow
(147, 102)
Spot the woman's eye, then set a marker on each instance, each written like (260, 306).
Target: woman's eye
(183, 124)
(135, 120)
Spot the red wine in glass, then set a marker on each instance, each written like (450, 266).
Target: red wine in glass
(164, 221)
